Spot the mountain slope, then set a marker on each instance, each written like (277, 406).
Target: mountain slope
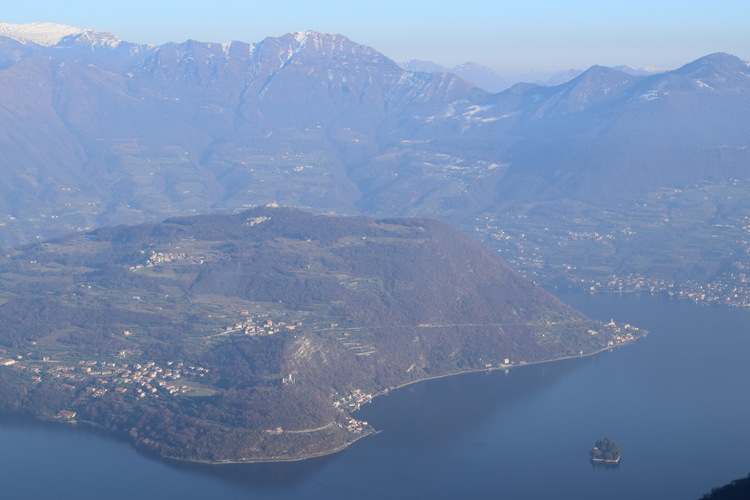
(317, 121)
(97, 133)
(193, 126)
(254, 336)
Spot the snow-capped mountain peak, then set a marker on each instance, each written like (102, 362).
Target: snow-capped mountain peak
(50, 34)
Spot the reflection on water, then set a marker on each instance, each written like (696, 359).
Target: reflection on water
(448, 408)
(267, 476)
(604, 466)
(434, 413)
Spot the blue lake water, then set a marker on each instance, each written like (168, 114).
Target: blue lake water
(678, 402)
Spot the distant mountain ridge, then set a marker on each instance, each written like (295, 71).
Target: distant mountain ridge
(479, 75)
(487, 79)
(126, 133)
(49, 34)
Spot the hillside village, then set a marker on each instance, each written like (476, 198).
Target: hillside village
(96, 378)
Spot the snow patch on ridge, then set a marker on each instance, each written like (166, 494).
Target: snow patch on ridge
(50, 34)
(40, 33)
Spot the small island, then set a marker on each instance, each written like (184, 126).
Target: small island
(605, 451)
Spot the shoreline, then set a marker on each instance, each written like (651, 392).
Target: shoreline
(508, 367)
(370, 431)
(606, 461)
(384, 393)
(270, 459)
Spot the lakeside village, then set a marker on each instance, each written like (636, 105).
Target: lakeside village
(348, 403)
(522, 247)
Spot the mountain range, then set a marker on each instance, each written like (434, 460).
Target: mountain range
(96, 130)
(487, 79)
(481, 76)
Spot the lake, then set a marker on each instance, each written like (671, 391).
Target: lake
(677, 402)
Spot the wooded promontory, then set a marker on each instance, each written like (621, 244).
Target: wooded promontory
(254, 336)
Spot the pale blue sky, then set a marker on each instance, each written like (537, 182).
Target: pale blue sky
(509, 36)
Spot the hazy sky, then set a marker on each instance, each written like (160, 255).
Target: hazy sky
(509, 36)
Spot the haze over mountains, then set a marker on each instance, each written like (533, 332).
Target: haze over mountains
(611, 180)
(487, 79)
(479, 75)
(96, 130)
(251, 335)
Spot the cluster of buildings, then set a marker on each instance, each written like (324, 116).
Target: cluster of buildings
(353, 401)
(266, 326)
(99, 377)
(355, 426)
(157, 258)
(732, 289)
(580, 256)
(620, 333)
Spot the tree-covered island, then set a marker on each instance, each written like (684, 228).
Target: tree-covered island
(605, 451)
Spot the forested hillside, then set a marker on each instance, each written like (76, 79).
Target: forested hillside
(254, 336)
